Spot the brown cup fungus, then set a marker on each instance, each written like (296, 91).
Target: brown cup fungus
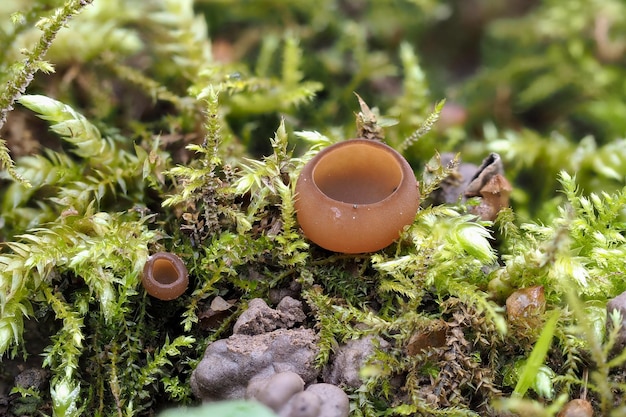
(165, 276)
(356, 196)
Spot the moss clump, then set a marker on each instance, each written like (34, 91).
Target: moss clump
(183, 126)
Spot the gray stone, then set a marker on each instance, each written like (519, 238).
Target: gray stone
(33, 378)
(283, 393)
(230, 364)
(349, 360)
(260, 318)
(276, 390)
(302, 404)
(334, 402)
(290, 311)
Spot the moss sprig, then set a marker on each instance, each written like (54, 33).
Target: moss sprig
(415, 98)
(34, 62)
(74, 128)
(271, 186)
(193, 178)
(152, 87)
(181, 38)
(23, 73)
(581, 244)
(424, 127)
(282, 92)
(153, 370)
(108, 172)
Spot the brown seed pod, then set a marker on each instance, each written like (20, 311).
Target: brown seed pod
(576, 408)
(165, 276)
(356, 196)
(526, 305)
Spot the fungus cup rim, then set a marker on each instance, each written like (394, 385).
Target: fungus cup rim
(161, 290)
(382, 147)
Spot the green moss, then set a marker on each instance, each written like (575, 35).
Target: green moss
(183, 126)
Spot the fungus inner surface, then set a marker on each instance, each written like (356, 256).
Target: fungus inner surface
(358, 174)
(164, 271)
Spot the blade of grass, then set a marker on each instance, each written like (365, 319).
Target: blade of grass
(537, 356)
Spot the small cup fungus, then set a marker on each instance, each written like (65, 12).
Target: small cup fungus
(356, 196)
(165, 276)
